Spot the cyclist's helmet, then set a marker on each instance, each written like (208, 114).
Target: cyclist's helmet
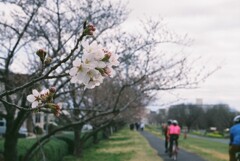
(236, 119)
(174, 122)
(169, 122)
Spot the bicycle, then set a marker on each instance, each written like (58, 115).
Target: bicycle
(237, 155)
(174, 150)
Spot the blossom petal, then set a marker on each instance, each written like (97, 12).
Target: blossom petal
(101, 64)
(85, 44)
(77, 62)
(35, 92)
(85, 79)
(73, 71)
(73, 80)
(34, 104)
(31, 98)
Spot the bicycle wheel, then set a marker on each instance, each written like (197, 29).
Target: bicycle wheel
(174, 152)
(238, 156)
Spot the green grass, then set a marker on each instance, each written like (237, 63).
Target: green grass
(205, 144)
(124, 145)
(211, 151)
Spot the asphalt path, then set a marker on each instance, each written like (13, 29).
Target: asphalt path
(158, 144)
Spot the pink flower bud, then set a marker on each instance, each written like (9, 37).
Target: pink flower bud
(107, 55)
(107, 71)
(48, 60)
(89, 30)
(52, 89)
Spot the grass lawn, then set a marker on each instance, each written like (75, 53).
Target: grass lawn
(125, 145)
(211, 151)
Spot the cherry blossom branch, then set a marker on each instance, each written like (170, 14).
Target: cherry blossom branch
(21, 108)
(47, 74)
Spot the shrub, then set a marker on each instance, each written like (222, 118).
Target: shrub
(215, 135)
(51, 127)
(38, 130)
(70, 158)
(69, 141)
(54, 150)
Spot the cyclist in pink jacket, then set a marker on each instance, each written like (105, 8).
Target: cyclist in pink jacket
(173, 132)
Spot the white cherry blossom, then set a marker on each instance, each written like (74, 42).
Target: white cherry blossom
(96, 63)
(79, 72)
(95, 79)
(34, 98)
(89, 60)
(93, 54)
(93, 83)
(113, 60)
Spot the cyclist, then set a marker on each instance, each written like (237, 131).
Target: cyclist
(165, 132)
(234, 145)
(174, 132)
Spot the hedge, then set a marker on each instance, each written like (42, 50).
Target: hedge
(54, 150)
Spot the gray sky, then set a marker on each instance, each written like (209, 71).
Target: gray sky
(214, 25)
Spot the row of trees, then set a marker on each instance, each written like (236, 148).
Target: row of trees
(198, 116)
(59, 27)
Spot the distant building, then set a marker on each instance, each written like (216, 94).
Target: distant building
(153, 112)
(40, 119)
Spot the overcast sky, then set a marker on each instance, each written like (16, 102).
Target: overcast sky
(214, 25)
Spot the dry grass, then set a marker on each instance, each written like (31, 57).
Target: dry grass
(218, 155)
(136, 144)
(124, 145)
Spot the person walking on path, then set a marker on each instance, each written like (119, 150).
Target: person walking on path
(234, 145)
(142, 126)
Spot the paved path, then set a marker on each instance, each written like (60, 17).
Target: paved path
(158, 144)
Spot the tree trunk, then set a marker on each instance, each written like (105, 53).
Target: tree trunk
(10, 148)
(30, 124)
(106, 133)
(78, 147)
(95, 136)
(10, 144)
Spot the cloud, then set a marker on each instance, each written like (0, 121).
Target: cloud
(215, 27)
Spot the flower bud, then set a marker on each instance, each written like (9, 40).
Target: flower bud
(48, 60)
(107, 71)
(101, 71)
(42, 54)
(89, 30)
(50, 105)
(107, 55)
(57, 110)
(52, 89)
